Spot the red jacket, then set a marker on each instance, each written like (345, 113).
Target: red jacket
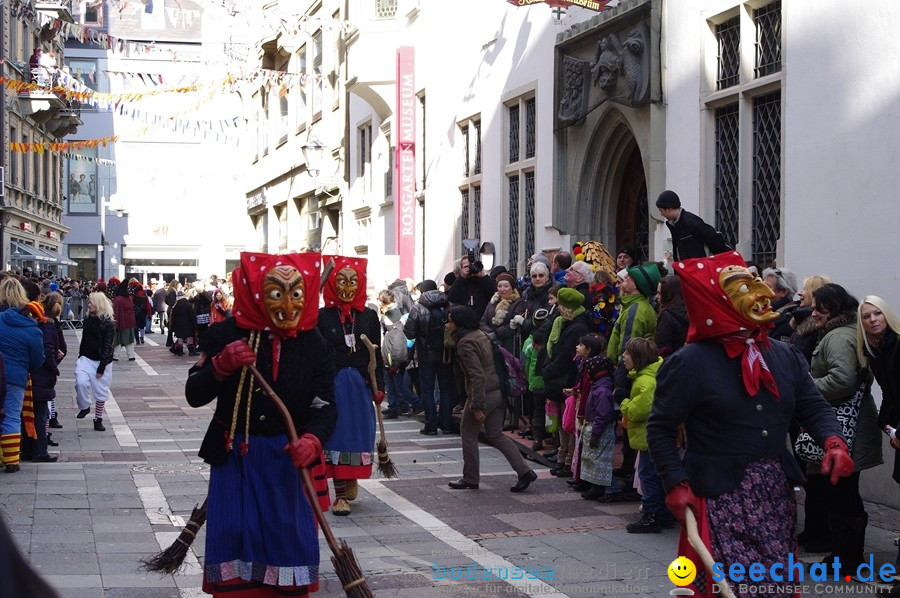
(123, 308)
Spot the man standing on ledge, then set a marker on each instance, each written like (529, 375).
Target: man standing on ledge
(691, 236)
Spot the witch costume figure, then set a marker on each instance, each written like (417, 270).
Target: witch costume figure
(262, 536)
(736, 392)
(345, 317)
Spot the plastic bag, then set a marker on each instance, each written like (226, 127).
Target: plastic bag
(568, 418)
(551, 416)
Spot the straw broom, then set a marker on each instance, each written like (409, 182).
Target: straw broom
(693, 538)
(171, 559)
(385, 464)
(345, 564)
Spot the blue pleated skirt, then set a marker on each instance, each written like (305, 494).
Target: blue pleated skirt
(348, 453)
(260, 525)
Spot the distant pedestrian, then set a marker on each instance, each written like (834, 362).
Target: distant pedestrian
(159, 305)
(182, 326)
(93, 370)
(691, 236)
(123, 308)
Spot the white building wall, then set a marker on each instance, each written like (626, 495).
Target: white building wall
(466, 67)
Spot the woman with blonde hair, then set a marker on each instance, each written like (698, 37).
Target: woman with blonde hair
(22, 347)
(806, 333)
(92, 370)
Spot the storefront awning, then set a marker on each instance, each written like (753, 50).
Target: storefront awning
(28, 253)
(57, 258)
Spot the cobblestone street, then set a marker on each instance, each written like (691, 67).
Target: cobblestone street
(118, 496)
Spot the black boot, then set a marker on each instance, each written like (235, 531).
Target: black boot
(848, 537)
(54, 423)
(98, 424)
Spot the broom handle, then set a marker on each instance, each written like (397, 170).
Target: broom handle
(373, 380)
(307, 481)
(693, 538)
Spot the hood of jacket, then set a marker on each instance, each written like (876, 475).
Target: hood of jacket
(432, 299)
(12, 317)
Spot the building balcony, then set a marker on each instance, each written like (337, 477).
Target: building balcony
(66, 121)
(57, 9)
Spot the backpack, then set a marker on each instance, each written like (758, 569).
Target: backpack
(434, 336)
(394, 348)
(513, 381)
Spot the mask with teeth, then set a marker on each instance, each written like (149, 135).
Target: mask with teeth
(284, 295)
(347, 281)
(751, 297)
(271, 292)
(346, 286)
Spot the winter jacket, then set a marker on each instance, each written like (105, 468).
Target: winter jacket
(886, 367)
(560, 370)
(418, 323)
(123, 310)
(43, 379)
(159, 300)
(599, 409)
(781, 330)
(22, 345)
(502, 333)
(837, 374)
(474, 291)
(671, 329)
(806, 335)
(636, 408)
(183, 322)
(636, 319)
(401, 296)
(476, 360)
(97, 341)
(701, 387)
(691, 236)
(533, 299)
(202, 303)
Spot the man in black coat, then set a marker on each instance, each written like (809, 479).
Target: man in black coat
(474, 290)
(691, 236)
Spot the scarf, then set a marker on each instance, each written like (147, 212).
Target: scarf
(558, 323)
(713, 316)
(28, 411)
(502, 309)
(330, 292)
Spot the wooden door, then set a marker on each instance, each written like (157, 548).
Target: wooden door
(632, 213)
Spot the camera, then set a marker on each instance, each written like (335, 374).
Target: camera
(471, 247)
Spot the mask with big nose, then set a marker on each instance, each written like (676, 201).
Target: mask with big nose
(284, 295)
(347, 282)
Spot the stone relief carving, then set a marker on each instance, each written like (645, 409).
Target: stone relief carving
(618, 72)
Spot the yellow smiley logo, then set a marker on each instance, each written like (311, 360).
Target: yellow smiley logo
(682, 571)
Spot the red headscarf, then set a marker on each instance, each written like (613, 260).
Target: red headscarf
(249, 307)
(330, 294)
(247, 281)
(713, 316)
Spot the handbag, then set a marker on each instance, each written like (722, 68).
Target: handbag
(847, 414)
(551, 416)
(202, 319)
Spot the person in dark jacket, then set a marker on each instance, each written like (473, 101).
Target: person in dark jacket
(43, 379)
(485, 402)
(736, 392)
(93, 370)
(560, 369)
(784, 284)
(691, 236)
(258, 513)
(805, 334)
(672, 323)
(22, 347)
(474, 290)
(534, 297)
(202, 304)
(435, 365)
(182, 326)
(171, 298)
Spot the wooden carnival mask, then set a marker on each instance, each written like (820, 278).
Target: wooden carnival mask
(284, 296)
(347, 281)
(751, 297)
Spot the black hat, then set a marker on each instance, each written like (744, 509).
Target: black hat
(629, 252)
(426, 285)
(668, 199)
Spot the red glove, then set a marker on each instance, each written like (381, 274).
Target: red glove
(378, 397)
(837, 461)
(233, 357)
(679, 498)
(304, 450)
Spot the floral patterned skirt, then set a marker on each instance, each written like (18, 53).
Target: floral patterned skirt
(755, 523)
(597, 463)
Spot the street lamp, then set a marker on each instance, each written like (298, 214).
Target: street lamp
(313, 155)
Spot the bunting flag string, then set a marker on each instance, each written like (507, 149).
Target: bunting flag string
(83, 158)
(61, 146)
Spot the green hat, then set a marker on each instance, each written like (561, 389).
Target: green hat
(646, 277)
(570, 298)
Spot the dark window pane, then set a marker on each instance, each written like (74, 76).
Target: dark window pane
(727, 172)
(477, 167)
(476, 208)
(728, 37)
(513, 238)
(768, 39)
(514, 133)
(529, 215)
(464, 215)
(530, 127)
(465, 141)
(766, 178)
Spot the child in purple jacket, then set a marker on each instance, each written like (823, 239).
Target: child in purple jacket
(598, 438)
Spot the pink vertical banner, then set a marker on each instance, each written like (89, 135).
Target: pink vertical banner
(405, 161)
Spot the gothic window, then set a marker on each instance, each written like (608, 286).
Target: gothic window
(727, 172)
(728, 36)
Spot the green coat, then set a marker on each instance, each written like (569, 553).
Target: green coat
(836, 370)
(636, 408)
(530, 357)
(636, 319)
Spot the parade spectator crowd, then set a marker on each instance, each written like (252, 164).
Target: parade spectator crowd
(591, 347)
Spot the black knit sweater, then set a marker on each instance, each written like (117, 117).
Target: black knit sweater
(364, 322)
